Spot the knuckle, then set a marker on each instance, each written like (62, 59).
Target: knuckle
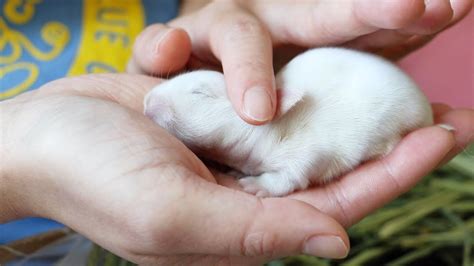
(245, 24)
(339, 200)
(259, 244)
(244, 27)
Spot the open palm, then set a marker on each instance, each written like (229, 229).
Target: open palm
(92, 161)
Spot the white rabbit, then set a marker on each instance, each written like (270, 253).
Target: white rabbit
(337, 108)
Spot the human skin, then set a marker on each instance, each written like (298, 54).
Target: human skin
(79, 151)
(140, 193)
(249, 38)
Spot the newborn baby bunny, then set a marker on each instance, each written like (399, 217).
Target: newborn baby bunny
(336, 109)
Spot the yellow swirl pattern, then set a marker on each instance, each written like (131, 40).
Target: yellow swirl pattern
(20, 11)
(33, 73)
(108, 30)
(55, 34)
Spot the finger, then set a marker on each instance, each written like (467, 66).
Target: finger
(372, 185)
(391, 44)
(438, 14)
(462, 120)
(461, 9)
(440, 109)
(199, 260)
(245, 50)
(397, 52)
(160, 50)
(215, 220)
(244, 47)
(330, 22)
(379, 40)
(395, 44)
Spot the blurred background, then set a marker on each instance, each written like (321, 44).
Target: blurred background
(431, 225)
(446, 65)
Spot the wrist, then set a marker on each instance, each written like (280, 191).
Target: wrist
(7, 209)
(14, 170)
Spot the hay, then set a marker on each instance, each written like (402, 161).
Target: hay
(433, 224)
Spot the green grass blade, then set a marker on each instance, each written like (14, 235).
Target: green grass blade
(398, 224)
(413, 256)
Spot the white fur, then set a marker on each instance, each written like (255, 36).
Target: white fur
(345, 107)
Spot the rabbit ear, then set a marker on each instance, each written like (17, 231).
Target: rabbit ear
(287, 99)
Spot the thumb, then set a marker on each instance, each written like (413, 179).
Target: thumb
(222, 221)
(160, 50)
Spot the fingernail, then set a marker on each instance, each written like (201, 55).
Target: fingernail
(258, 104)
(447, 127)
(159, 40)
(331, 247)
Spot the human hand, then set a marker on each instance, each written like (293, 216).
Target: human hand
(245, 36)
(79, 151)
(374, 184)
(353, 196)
